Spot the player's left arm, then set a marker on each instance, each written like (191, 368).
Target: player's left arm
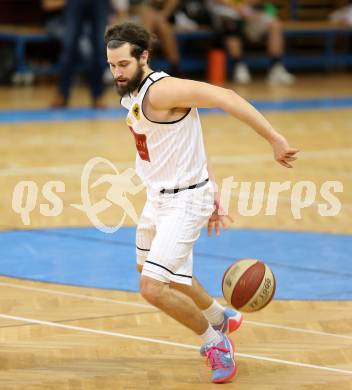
(172, 92)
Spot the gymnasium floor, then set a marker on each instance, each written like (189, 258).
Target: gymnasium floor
(70, 317)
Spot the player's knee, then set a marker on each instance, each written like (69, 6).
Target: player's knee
(151, 290)
(139, 267)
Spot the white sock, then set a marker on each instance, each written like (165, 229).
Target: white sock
(214, 313)
(211, 336)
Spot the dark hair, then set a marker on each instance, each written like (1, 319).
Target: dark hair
(137, 36)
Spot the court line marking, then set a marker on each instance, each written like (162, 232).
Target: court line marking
(133, 313)
(172, 343)
(283, 327)
(95, 298)
(216, 159)
(75, 295)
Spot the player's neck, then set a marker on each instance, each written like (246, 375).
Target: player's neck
(146, 72)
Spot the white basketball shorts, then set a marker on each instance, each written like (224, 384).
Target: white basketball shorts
(169, 226)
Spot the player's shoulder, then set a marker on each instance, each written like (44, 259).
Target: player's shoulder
(162, 88)
(165, 83)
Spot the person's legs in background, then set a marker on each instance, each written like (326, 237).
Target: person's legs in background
(232, 30)
(154, 20)
(99, 11)
(240, 72)
(74, 16)
(275, 43)
(169, 44)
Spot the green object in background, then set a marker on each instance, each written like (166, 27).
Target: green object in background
(270, 9)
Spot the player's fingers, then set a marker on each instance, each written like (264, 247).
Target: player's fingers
(286, 156)
(290, 158)
(210, 228)
(217, 228)
(285, 164)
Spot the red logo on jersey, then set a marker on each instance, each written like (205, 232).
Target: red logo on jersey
(141, 145)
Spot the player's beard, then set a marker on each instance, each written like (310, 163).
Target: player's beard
(132, 84)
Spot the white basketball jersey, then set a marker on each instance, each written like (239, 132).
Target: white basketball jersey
(169, 154)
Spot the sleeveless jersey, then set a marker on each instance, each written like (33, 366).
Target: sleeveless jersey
(169, 154)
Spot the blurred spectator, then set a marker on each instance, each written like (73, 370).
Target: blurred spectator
(192, 14)
(158, 16)
(54, 21)
(121, 12)
(239, 19)
(53, 15)
(342, 16)
(78, 13)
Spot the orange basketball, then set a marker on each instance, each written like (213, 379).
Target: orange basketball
(248, 285)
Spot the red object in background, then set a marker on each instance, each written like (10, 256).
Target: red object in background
(216, 71)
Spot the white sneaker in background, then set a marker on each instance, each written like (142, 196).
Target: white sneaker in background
(184, 22)
(279, 75)
(241, 74)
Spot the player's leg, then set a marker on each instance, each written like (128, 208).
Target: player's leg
(150, 245)
(216, 346)
(175, 304)
(224, 319)
(227, 320)
(221, 318)
(196, 292)
(169, 260)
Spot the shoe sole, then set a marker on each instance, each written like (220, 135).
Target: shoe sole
(233, 372)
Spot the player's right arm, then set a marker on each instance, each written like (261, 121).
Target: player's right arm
(170, 93)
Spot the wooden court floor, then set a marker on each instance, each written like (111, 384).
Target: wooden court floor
(66, 337)
(97, 339)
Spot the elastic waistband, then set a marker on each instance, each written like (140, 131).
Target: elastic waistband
(176, 190)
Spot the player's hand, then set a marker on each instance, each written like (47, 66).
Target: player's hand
(219, 218)
(283, 153)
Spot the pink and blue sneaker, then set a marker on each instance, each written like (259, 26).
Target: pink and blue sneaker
(232, 321)
(221, 359)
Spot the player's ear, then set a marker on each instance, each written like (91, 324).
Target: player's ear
(144, 57)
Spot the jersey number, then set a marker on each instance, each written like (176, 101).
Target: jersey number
(141, 145)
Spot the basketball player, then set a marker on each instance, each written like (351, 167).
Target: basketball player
(172, 163)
